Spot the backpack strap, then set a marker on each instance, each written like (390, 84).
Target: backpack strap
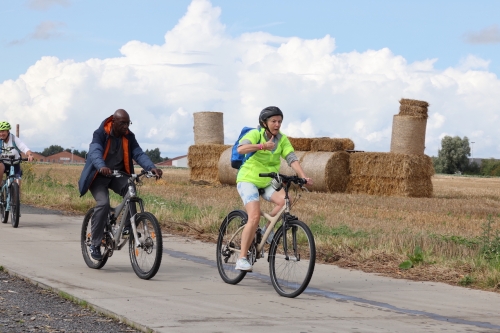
(14, 143)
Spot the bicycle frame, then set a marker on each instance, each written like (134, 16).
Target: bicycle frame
(283, 213)
(9, 179)
(129, 197)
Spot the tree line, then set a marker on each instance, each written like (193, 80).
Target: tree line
(453, 157)
(154, 154)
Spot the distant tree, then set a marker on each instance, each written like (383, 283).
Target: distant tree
(453, 155)
(68, 150)
(473, 169)
(54, 149)
(82, 154)
(154, 155)
(490, 167)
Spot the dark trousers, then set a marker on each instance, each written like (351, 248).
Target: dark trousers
(99, 189)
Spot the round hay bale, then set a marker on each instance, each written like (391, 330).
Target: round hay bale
(347, 144)
(406, 101)
(413, 110)
(208, 128)
(408, 135)
(301, 144)
(227, 174)
(285, 169)
(329, 170)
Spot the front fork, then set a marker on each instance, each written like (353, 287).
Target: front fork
(287, 217)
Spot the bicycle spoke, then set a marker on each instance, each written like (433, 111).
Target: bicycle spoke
(291, 272)
(146, 252)
(228, 246)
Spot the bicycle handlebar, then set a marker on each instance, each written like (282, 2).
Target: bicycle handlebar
(284, 178)
(119, 173)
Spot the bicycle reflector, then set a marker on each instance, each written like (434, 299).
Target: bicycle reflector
(276, 183)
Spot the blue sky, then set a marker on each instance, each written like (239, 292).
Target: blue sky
(455, 43)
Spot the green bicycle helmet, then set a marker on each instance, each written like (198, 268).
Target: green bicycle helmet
(4, 126)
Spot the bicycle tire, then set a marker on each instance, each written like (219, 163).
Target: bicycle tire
(146, 260)
(291, 277)
(15, 204)
(3, 205)
(226, 258)
(85, 243)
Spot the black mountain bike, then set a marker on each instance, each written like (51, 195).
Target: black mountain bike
(145, 240)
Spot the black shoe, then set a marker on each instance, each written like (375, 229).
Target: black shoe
(95, 252)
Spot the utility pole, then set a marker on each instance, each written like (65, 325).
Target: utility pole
(17, 130)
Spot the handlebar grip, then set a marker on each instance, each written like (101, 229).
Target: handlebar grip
(270, 174)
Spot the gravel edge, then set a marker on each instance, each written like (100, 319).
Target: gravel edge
(81, 302)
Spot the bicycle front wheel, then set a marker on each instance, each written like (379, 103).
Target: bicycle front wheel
(15, 204)
(291, 268)
(228, 244)
(146, 258)
(3, 205)
(85, 239)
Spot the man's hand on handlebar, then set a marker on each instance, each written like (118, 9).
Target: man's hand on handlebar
(105, 171)
(157, 172)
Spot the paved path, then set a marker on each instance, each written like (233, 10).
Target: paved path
(187, 294)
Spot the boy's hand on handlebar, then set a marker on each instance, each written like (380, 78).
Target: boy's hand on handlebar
(157, 172)
(105, 171)
(309, 181)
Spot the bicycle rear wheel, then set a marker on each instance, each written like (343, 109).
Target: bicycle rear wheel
(146, 259)
(85, 239)
(290, 276)
(228, 241)
(3, 205)
(15, 204)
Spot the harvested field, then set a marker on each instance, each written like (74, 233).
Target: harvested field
(358, 231)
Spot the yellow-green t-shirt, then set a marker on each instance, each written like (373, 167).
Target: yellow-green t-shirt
(263, 161)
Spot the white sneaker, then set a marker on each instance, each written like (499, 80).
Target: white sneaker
(242, 264)
(270, 237)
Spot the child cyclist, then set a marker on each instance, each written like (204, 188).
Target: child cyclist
(9, 140)
(269, 145)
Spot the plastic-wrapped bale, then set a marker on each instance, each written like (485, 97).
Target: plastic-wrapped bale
(203, 161)
(329, 170)
(301, 144)
(208, 128)
(227, 174)
(391, 174)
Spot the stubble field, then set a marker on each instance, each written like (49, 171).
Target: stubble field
(452, 237)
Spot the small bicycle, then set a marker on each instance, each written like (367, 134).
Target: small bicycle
(10, 201)
(145, 240)
(292, 252)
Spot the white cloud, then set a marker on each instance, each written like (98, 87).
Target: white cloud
(200, 67)
(44, 31)
(46, 4)
(489, 35)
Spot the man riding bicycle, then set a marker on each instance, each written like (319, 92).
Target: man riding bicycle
(10, 141)
(113, 147)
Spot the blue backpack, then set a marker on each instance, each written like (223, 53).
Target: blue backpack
(238, 159)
